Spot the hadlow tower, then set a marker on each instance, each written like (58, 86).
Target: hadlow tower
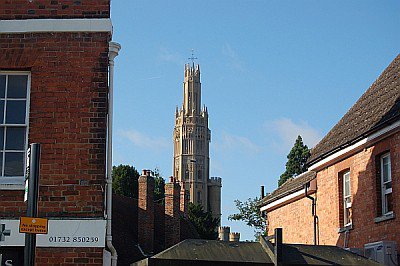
(191, 146)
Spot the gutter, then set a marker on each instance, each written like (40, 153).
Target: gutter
(313, 209)
(113, 50)
(365, 135)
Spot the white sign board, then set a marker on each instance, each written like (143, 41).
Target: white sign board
(61, 233)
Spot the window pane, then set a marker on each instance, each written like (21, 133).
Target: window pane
(389, 202)
(1, 111)
(17, 86)
(388, 185)
(1, 139)
(346, 178)
(347, 188)
(2, 85)
(15, 138)
(386, 174)
(14, 164)
(15, 112)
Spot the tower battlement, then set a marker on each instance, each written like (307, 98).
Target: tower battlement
(215, 181)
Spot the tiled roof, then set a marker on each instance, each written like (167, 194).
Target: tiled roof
(377, 107)
(290, 186)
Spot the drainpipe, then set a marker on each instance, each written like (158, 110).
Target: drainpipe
(313, 210)
(113, 50)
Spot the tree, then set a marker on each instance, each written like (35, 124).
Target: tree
(159, 186)
(125, 180)
(296, 163)
(203, 221)
(249, 212)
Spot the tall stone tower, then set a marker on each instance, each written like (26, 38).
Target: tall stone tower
(191, 146)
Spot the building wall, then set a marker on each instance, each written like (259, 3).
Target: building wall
(296, 220)
(18, 9)
(292, 217)
(68, 111)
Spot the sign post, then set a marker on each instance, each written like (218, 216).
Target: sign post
(32, 199)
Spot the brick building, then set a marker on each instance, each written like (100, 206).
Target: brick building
(143, 226)
(55, 61)
(353, 177)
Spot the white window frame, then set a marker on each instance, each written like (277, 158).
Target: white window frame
(17, 182)
(346, 205)
(385, 192)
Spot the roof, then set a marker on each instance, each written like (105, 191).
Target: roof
(297, 254)
(213, 252)
(377, 107)
(191, 251)
(290, 186)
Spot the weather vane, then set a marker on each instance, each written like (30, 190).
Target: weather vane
(192, 57)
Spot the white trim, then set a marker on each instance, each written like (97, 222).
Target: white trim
(282, 200)
(56, 25)
(354, 146)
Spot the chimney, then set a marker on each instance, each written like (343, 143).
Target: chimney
(146, 211)
(172, 211)
(184, 201)
(234, 237)
(223, 233)
(262, 192)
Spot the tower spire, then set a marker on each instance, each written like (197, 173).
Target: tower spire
(192, 58)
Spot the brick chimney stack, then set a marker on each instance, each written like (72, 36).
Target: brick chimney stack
(146, 211)
(172, 212)
(184, 202)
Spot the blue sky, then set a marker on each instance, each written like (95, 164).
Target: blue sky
(270, 70)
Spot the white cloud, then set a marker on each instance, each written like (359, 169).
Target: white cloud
(230, 142)
(287, 132)
(144, 141)
(170, 56)
(233, 57)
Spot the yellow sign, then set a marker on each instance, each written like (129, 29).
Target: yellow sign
(33, 225)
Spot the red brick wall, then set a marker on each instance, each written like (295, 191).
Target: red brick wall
(68, 108)
(23, 9)
(69, 256)
(292, 217)
(296, 219)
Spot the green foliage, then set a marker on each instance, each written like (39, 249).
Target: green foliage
(249, 212)
(203, 221)
(296, 163)
(125, 180)
(159, 186)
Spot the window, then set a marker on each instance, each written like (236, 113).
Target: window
(199, 197)
(346, 199)
(386, 184)
(14, 101)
